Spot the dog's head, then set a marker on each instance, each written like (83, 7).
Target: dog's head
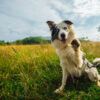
(59, 32)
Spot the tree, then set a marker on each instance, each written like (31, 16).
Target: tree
(2, 42)
(32, 40)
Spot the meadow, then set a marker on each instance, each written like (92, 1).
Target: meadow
(32, 72)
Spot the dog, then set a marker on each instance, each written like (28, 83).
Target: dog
(72, 59)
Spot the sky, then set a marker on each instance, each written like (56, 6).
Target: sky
(24, 18)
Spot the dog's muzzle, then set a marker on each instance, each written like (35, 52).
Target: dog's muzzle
(63, 36)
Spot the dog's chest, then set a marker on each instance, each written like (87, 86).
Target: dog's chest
(68, 61)
(65, 54)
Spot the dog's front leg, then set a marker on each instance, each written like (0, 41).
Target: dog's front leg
(64, 78)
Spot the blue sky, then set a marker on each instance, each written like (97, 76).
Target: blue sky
(23, 18)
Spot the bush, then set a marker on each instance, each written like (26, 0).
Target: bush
(32, 40)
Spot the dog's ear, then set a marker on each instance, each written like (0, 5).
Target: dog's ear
(51, 24)
(68, 22)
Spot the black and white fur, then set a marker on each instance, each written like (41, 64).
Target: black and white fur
(72, 59)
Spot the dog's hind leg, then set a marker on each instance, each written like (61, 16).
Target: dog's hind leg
(64, 78)
(93, 75)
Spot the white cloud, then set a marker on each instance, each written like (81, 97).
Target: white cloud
(22, 18)
(92, 33)
(87, 8)
(58, 5)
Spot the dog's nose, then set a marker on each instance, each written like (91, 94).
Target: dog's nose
(62, 35)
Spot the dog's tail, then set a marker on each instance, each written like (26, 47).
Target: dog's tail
(96, 62)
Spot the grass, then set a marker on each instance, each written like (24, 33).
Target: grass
(33, 72)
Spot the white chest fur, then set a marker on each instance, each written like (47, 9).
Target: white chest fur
(69, 61)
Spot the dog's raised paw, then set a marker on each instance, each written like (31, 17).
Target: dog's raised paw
(75, 43)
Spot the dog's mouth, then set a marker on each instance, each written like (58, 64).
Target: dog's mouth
(63, 40)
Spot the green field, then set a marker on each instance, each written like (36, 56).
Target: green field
(32, 72)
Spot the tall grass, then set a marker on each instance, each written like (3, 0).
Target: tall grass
(33, 72)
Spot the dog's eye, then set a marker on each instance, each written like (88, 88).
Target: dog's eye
(65, 28)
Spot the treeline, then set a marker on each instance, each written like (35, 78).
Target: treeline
(34, 40)
(2, 42)
(28, 40)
